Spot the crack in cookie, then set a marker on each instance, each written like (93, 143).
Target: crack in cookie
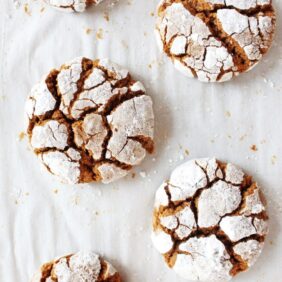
(78, 126)
(215, 40)
(209, 220)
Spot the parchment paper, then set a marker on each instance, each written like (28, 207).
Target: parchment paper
(40, 218)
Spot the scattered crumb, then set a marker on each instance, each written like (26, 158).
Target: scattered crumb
(273, 159)
(187, 152)
(21, 136)
(106, 16)
(254, 148)
(228, 114)
(150, 66)
(26, 193)
(88, 30)
(42, 9)
(100, 34)
(152, 14)
(26, 9)
(55, 191)
(133, 174)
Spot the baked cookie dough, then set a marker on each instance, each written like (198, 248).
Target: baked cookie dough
(90, 121)
(209, 221)
(215, 40)
(72, 5)
(79, 267)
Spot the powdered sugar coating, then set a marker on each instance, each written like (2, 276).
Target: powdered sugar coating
(208, 260)
(85, 113)
(82, 266)
(72, 5)
(215, 40)
(202, 213)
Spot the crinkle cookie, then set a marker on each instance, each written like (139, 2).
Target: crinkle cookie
(72, 5)
(215, 40)
(79, 267)
(90, 121)
(210, 220)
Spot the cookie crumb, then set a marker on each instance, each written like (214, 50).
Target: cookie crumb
(26, 9)
(21, 136)
(100, 34)
(187, 152)
(228, 114)
(106, 16)
(254, 148)
(273, 159)
(88, 30)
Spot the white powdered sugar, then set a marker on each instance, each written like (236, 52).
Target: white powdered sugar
(82, 266)
(40, 100)
(72, 5)
(63, 165)
(207, 260)
(249, 251)
(204, 208)
(85, 113)
(220, 199)
(192, 39)
(51, 134)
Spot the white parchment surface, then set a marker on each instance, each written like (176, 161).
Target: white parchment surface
(41, 218)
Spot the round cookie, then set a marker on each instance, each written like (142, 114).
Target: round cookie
(82, 267)
(215, 40)
(209, 221)
(90, 121)
(72, 5)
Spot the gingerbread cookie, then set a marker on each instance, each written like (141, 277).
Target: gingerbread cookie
(72, 5)
(80, 267)
(215, 40)
(90, 121)
(210, 221)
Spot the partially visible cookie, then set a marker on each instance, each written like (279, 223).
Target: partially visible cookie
(90, 121)
(79, 267)
(210, 220)
(72, 5)
(215, 40)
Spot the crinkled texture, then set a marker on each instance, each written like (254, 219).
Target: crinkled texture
(201, 214)
(82, 267)
(249, 251)
(81, 107)
(72, 5)
(208, 260)
(215, 40)
(222, 198)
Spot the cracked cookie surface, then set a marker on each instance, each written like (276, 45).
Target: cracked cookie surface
(215, 40)
(90, 121)
(72, 5)
(210, 220)
(79, 267)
